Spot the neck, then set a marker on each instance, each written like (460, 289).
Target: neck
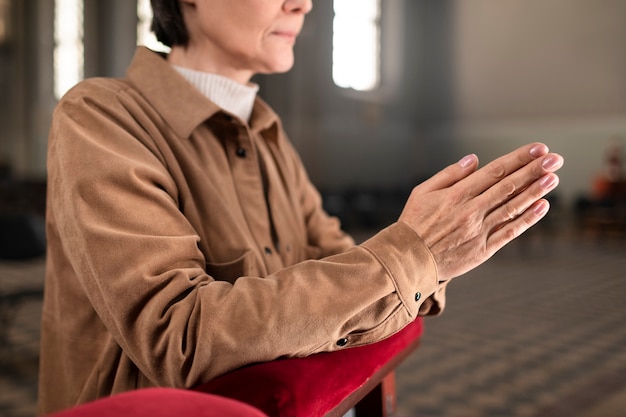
(185, 57)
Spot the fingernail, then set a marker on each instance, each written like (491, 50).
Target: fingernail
(467, 160)
(541, 207)
(538, 150)
(548, 182)
(550, 162)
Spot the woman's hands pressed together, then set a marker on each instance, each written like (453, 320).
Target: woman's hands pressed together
(465, 215)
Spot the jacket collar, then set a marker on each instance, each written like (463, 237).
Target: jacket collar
(181, 105)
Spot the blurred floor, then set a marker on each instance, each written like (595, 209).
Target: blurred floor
(538, 331)
(19, 336)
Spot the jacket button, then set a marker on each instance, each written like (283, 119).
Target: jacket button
(418, 295)
(342, 342)
(241, 152)
(268, 251)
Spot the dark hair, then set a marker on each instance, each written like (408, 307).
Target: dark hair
(167, 22)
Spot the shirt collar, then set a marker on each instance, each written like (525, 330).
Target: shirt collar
(230, 95)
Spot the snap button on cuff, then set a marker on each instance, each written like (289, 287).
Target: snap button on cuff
(342, 342)
(418, 295)
(241, 152)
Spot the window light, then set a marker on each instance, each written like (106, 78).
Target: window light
(68, 45)
(145, 36)
(356, 44)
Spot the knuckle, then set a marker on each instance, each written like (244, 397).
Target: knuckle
(511, 233)
(508, 188)
(538, 170)
(496, 170)
(522, 158)
(510, 212)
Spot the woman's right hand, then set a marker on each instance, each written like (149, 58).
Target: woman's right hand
(465, 215)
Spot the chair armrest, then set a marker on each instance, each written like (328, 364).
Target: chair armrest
(324, 384)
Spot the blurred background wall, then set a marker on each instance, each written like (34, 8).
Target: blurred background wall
(479, 76)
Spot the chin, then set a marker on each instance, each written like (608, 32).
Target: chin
(279, 65)
(283, 69)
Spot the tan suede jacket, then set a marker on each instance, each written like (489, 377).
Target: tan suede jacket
(184, 243)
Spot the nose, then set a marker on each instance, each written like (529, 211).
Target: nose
(298, 6)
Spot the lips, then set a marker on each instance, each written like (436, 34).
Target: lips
(287, 35)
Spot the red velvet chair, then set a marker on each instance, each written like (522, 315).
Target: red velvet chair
(162, 402)
(322, 385)
(325, 384)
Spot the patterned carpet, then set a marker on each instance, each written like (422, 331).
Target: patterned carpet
(538, 331)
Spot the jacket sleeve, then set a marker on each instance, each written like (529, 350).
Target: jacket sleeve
(325, 232)
(116, 212)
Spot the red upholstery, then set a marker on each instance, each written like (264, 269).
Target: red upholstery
(314, 385)
(317, 385)
(162, 402)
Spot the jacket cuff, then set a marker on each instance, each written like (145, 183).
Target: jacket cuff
(410, 265)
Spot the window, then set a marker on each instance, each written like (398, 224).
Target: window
(356, 44)
(69, 56)
(4, 20)
(144, 35)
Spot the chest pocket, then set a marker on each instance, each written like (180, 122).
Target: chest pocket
(229, 271)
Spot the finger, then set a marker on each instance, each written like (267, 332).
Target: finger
(451, 174)
(515, 208)
(519, 181)
(515, 228)
(500, 168)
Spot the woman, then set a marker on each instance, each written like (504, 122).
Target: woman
(185, 239)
